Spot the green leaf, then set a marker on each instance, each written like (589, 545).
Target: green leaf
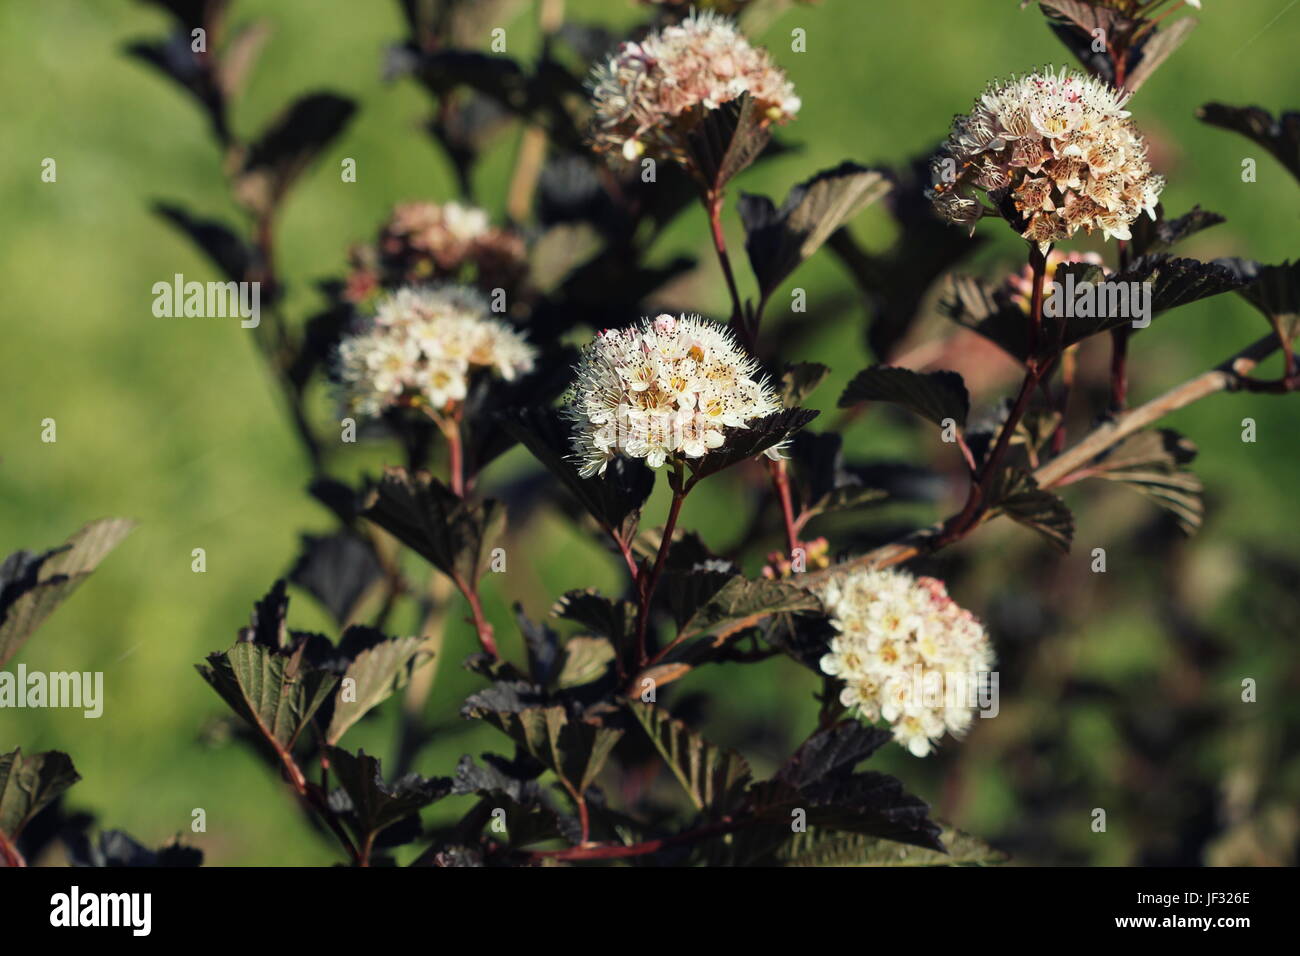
(614, 499)
(1016, 494)
(574, 748)
(613, 619)
(371, 805)
(1177, 282)
(452, 534)
(32, 586)
(288, 146)
(726, 140)
(799, 380)
(1275, 292)
(505, 785)
(586, 659)
(778, 240)
(932, 395)
(823, 483)
(375, 674)
(1151, 463)
(704, 602)
(338, 570)
(832, 752)
(757, 437)
(1174, 282)
(1280, 136)
(28, 784)
(276, 691)
(971, 302)
(822, 847)
(1157, 236)
(114, 848)
(713, 777)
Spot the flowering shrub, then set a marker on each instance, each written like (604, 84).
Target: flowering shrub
(554, 333)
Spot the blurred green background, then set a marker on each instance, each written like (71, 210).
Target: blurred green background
(1119, 691)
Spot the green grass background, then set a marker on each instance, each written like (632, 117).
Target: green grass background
(175, 422)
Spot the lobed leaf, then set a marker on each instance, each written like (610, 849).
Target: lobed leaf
(33, 585)
(935, 396)
(29, 784)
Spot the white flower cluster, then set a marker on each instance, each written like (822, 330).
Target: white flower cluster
(907, 654)
(643, 90)
(423, 346)
(663, 388)
(1061, 147)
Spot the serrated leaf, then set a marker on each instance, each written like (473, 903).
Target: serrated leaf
(835, 751)
(714, 778)
(725, 141)
(935, 396)
(704, 602)
(1280, 136)
(1017, 495)
(33, 585)
(542, 645)
(28, 784)
(822, 481)
(869, 802)
(371, 805)
(757, 437)
(116, 848)
(614, 619)
(586, 659)
(452, 534)
(275, 691)
(821, 847)
(1157, 236)
(1176, 282)
(375, 674)
(799, 380)
(778, 240)
(574, 748)
(508, 786)
(971, 302)
(614, 499)
(1173, 282)
(1275, 292)
(1151, 463)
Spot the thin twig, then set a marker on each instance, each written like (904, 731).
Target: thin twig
(1229, 376)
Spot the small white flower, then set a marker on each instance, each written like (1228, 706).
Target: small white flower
(899, 639)
(643, 93)
(423, 345)
(665, 388)
(1060, 147)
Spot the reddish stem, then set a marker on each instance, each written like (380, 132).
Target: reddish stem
(976, 500)
(650, 579)
(747, 336)
(725, 825)
(481, 624)
(781, 481)
(9, 855)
